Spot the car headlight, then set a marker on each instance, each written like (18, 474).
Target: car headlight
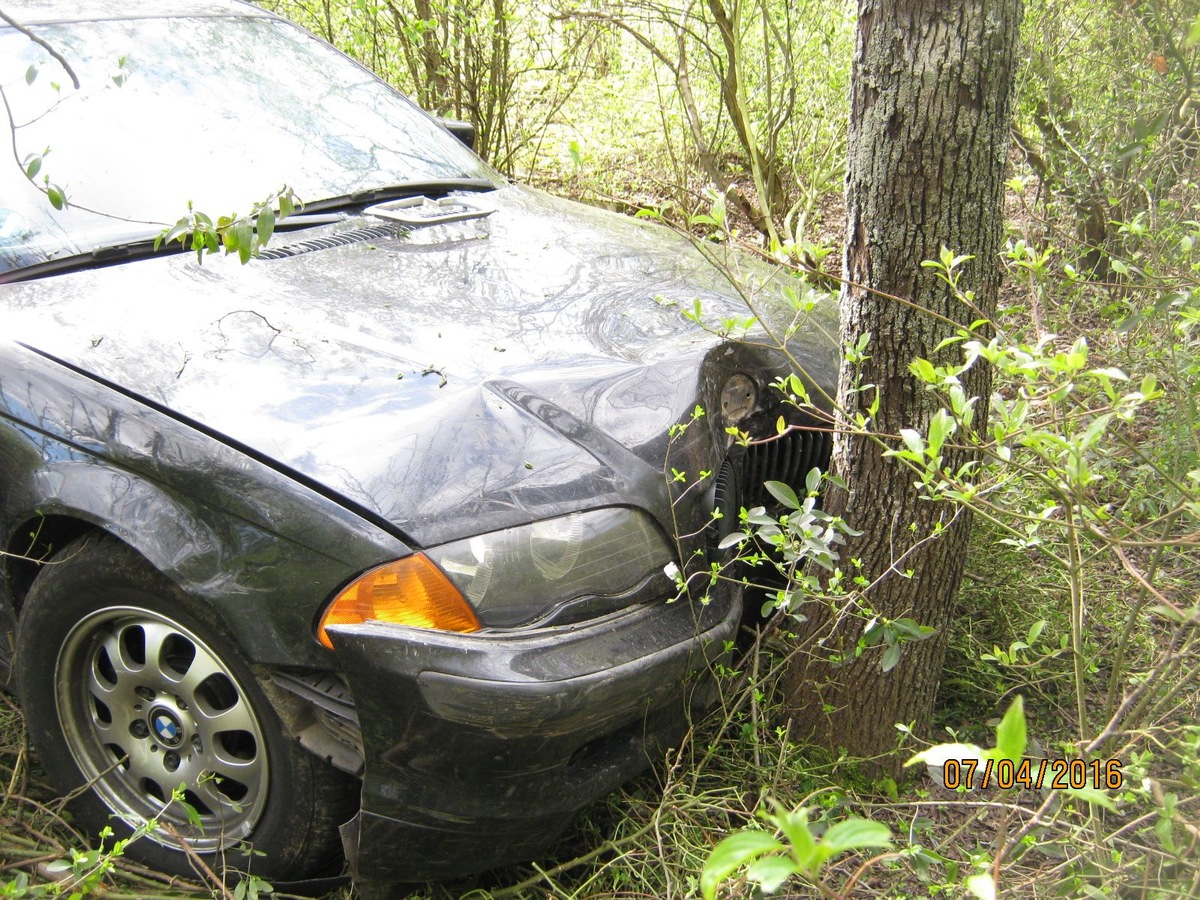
(517, 574)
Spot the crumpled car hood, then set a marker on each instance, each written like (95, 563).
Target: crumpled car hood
(449, 380)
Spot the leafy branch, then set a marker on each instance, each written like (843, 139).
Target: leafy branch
(243, 235)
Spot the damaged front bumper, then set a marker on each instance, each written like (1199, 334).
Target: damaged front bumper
(480, 749)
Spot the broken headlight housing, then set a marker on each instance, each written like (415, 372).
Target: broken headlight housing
(518, 575)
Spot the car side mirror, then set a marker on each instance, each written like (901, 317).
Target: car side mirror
(464, 131)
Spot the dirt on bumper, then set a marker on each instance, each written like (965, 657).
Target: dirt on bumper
(480, 749)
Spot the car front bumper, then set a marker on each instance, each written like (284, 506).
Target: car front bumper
(480, 749)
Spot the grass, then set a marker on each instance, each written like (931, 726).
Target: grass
(652, 838)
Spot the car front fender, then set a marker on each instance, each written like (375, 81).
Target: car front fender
(263, 549)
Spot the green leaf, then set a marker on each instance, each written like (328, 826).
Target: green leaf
(1010, 733)
(1164, 828)
(872, 633)
(771, 872)
(193, 816)
(576, 155)
(783, 494)
(911, 630)
(913, 440)
(718, 209)
(732, 539)
(1035, 631)
(855, 834)
(737, 850)
(31, 74)
(923, 369)
(243, 240)
(56, 197)
(941, 426)
(1095, 431)
(812, 481)
(1165, 834)
(265, 226)
(1092, 795)
(33, 166)
(794, 826)
(891, 657)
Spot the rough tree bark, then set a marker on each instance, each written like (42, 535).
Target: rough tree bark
(929, 130)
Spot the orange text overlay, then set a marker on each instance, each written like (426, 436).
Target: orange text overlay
(1056, 774)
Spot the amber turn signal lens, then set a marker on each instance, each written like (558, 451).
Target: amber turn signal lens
(410, 591)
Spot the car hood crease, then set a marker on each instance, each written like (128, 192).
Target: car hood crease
(450, 379)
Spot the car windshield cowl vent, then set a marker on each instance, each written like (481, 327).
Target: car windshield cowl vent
(342, 239)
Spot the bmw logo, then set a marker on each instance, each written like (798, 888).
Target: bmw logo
(166, 728)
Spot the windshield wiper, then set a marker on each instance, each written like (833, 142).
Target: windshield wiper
(432, 188)
(101, 256)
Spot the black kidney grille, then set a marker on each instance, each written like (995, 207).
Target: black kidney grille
(788, 458)
(745, 471)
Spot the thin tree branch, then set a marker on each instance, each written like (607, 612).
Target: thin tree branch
(45, 45)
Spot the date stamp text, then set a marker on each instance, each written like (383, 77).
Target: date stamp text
(1056, 774)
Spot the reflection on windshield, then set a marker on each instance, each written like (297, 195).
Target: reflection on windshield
(216, 111)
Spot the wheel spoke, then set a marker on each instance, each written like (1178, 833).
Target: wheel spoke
(201, 669)
(202, 780)
(117, 730)
(121, 695)
(122, 665)
(191, 771)
(231, 762)
(157, 634)
(248, 774)
(142, 762)
(236, 718)
(222, 809)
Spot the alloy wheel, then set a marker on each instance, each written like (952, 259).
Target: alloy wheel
(147, 707)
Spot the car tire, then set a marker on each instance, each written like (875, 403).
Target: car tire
(131, 686)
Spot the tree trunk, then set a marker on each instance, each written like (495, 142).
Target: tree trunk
(929, 129)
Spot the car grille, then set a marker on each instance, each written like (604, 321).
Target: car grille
(787, 458)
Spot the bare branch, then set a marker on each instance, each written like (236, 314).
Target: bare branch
(45, 45)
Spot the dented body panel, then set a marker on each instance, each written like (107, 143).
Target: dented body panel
(263, 434)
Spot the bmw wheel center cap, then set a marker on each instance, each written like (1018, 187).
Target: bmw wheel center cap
(166, 727)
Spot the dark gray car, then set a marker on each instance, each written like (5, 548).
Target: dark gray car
(381, 530)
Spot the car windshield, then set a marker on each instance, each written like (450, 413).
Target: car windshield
(215, 111)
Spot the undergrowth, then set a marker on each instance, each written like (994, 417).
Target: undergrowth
(1080, 597)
